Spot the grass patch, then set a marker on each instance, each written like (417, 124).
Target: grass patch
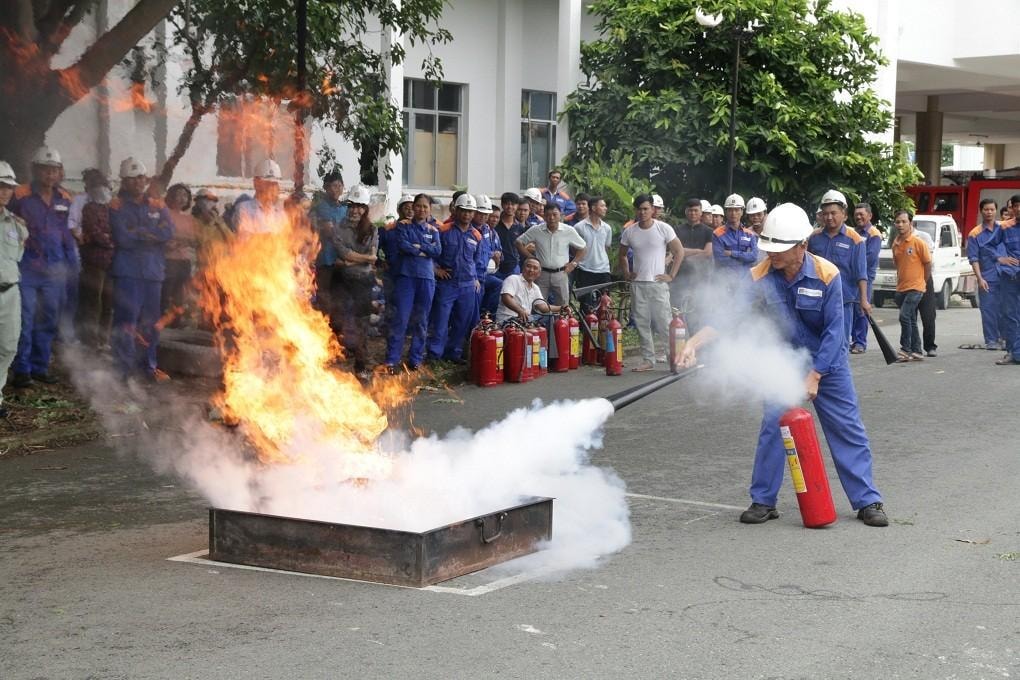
(1009, 556)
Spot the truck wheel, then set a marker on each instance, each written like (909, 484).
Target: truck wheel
(942, 301)
(879, 299)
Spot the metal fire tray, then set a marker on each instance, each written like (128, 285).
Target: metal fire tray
(382, 555)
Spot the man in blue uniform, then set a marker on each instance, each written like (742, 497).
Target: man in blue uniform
(141, 227)
(491, 249)
(1009, 293)
(983, 246)
(50, 252)
(844, 248)
(734, 246)
(457, 285)
(872, 247)
(804, 295)
(554, 192)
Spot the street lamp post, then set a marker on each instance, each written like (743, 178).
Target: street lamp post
(739, 33)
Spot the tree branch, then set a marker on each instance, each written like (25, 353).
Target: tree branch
(59, 22)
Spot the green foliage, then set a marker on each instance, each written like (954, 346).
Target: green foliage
(609, 174)
(659, 86)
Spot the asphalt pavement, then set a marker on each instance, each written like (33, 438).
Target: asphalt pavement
(87, 591)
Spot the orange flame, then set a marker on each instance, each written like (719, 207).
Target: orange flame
(281, 380)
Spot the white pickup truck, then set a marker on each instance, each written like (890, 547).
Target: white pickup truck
(951, 272)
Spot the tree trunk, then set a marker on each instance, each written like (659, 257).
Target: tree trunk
(183, 142)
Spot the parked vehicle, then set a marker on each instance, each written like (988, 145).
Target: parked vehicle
(951, 272)
(962, 201)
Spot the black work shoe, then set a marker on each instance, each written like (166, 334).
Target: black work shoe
(22, 380)
(45, 378)
(873, 515)
(758, 514)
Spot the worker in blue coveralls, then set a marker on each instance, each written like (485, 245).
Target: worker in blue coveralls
(554, 192)
(1009, 292)
(734, 246)
(872, 247)
(389, 245)
(536, 207)
(415, 285)
(328, 213)
(141, 227)
(491, 249)
(804, 296)
(50, 252)
(457, 285)
(983, 250)
(843, 247)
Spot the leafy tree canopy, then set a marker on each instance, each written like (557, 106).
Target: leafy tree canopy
(659, 85)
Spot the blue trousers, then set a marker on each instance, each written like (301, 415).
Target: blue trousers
(454, 310)
(1009, 291)
(840, 418)
(40, 310)
(134, 339)
(489, 295)
(412, 302)
(991, 313)
(859, 332)
(849, 310)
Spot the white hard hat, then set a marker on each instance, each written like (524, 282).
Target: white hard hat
(534, 194)
(466, 202)
(706, 206)
(755, 205)
(7, 174)
(833, 196)
(268, 170)
(716, 209)
(406, 198)
(657, 201)
(359, 194)
(786, 226)
(132, 167)
(734, 201)
(484, 204)
(44, 155)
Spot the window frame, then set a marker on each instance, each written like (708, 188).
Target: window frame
(408, 113)
(528, 120)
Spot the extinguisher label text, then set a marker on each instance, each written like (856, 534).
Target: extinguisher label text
(793, 460)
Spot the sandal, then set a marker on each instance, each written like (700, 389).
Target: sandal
(856, 349)
(643, 366)
(903, 357)
(971, 346)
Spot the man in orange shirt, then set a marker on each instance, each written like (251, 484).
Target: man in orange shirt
(913, 267)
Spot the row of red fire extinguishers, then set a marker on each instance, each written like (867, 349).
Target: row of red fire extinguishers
(519, 352)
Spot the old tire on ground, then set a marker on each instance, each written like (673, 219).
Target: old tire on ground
(189, 351)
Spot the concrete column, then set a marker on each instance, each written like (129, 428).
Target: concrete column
(995, 156)
(392, 188)
(568, 71)
(929, 141)
(508, 94)
(887, 27)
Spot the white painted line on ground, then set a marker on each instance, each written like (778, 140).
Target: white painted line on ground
(199, 557)
(683, 501)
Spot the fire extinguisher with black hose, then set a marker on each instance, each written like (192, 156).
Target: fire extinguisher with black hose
(516, 353)
(613, 344)
(807, 470)
(561, 334)
(590, 352)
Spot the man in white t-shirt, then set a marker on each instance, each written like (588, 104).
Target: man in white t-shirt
(520, 295)
(649, 240)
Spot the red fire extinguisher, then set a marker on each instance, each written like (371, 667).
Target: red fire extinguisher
(516, 354)
(561, 333)
(488, 363)
(475, 350)
(541, 358)
(807, 471)
(575, 341)
(613, 344)
(532, 348)
(677, 340)
(589, 352)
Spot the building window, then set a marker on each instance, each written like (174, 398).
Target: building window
(433, 125)
(538, 137)
(250, 130)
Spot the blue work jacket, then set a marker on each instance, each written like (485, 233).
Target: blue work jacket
(846, 250)
(872, 248)
(140, 232)
(460, 254)
(742, 244)
(1010, 248)
(50, 249)
(984, 246)
(388, 245)
(488, 245)
(419, 246)
(809, 309)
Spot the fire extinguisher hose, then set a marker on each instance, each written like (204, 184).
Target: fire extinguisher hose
(631, 394)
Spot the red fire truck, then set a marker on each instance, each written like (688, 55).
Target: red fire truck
(961, 201)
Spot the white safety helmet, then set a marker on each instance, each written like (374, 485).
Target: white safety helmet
(534, 194)
(44, 155)
(484, 204)
(406, 198)
(465, 202)
(786, 226)
(706, 206)
(657, 201)
(833, 196)
(268, 171)
(132, 167)
(734, 201)
(716, 209)
(7, 174)
(359, 194)
(755, 205)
